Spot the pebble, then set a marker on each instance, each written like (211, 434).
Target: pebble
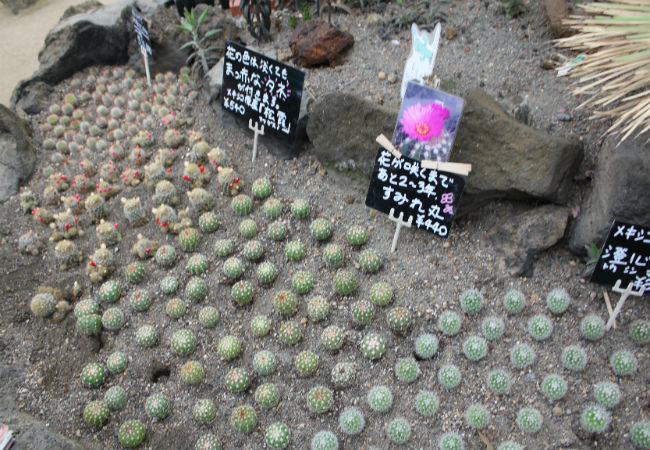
(451, 32)
(381, 75)
(392, 77)
(547, 64)
(564, 117)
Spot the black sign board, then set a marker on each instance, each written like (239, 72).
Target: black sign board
(429, 196)
(141, 31)
(262, 89)
(625, 256)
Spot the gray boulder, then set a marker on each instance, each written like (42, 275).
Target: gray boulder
(17, 153)
(17, 5)
(509, 159)
(620, 191)
(37, 98)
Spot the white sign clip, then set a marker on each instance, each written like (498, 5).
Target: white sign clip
(399, 223)
(257, 130)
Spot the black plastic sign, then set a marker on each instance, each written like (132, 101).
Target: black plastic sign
(429, 196)
(262, 89)
(625, 256)
(141, 31)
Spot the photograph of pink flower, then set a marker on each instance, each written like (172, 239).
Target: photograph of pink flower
(427, 123)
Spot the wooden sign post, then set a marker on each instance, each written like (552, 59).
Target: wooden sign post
(624, 261)
(257, 131)
(142, 36)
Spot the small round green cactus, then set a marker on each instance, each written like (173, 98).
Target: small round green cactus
(320, 229)
(116, 398)
(267, 272)
(277, 435)
(96, 413)
(498, 381)
(192, 372)
(380, 398)
(554, 387)
(370, 260)
(261, 188)
(242, 292)
(198, 264)
(157, 406)
(357, 235)
(333, 255)
(640, 434)
(294, 250)
(529, 420)
(592, 327)
(343, 374)
(306, 363)
(574, 358)
(302, 281)
(175, 308)
(320, 399)
(351, 421)
(43, 305)
(85, 307)
(285, 303)
(272, 208)
(169, 285)
(492, 328)
(90, 324)
(237, 380)
(407, 370)
(318, 308)
(93, 375)
(510, 445)
(188, 239)
(471, 301)
(244, 418)
(324, 440)
(399, 319)
(427, 403)
(623, 363)
(607, 394)
(260, 325)
(426, 345)
(277, 230)
(209, 222)
(183, 342)
(362, 312)
(558, 301)
(267, 395)
(300, 208)
(344, 282)
(253, 250)
(332, 338)
(146, 336)
(381, 294)
(475, 348)
(540, 327)
(640, 331)
(264, 362)
(131, 433)
(204, 410)
(451, 441)
(290, 332)
(223, 248)
(209, 316)
(595, 419)
(522, 355)
(113, 319)
(449, 323)
(134, 272)
(233, 268)
(373, 346)
(229, 347)
(248, 228)
(196, 289)
(166, 255)
(398, 430)
(449, 376)
(242, 205)
(140, 300)
(514, 301)
(208, 441)
(116, 362)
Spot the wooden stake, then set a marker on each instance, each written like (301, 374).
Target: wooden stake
(257, 131)
(609, 307)
(388, 145)
(625, 293)
(399, 223)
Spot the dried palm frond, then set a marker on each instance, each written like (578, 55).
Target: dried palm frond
(614, 68)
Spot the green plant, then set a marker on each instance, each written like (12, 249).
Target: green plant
(300, 208)
(357, 235)
(514, 301)
(477, 416)
(134, 211)
(398, 430)
(146, 336)
(188, 239)
(362, 312)
(302, 281)
(192, 372)
(449, 376)
(540, 327)
(351, 421)
(253, 250)
(113, 319)
(623, 363)
(640, 332)
(90, 324)
(320, 399)
(451, 441)
(320, 229)
(529, 420)
(509, 445)
(196, 289)
(574, 358)
(294, 250)
(306, 363)
(427, 403)
(426, 345)
(499, 381)
(237, 380)
(344, 282)
(373, 346)
(242, 205)
(558, 301)
(93, 375)
(134, 272)
(272, 208)
(260, 325)
(290, 332)
(209, 316)
(223, 247)
(285, 303)
(208, 441)
(640, 434)
(198, 264)
(169, 285)
(175, 308)
(370, 260)
(116, 362)
(607, 394)
(248, 228)
(407, 370)
(343, 374)
(333, 255)
(209, 222)
(522, 355)
(264, 362)
(514, 8)
(95, 413)
(554, 387)
(332, 338)
(267, 395)
(200, 57)
(318, 308)
(471, 301)
(229, 347)
(381, 294)
(140, 300)
(475, 348)
(277, 230)
(449, 323)
(267, 272)
(399, 319)
(242, 292)
(592, 327)
(85, 307)
(595, 419)
(204, 410)
(324, 439)
(131, 433)
(244, 418)
(166, 255)
(183, 342)
(157, 406)
(492, 328)
(277, 435)
(233, 268)
(115, 398)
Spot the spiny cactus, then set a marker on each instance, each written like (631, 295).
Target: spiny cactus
(223, 247)
(244, 418)
(492, 328)
(188, 239)
(318, 308)
(451, 441)
(144, 247)
(134, 212)
(320, 399)
(208, 441)
(135, 272)
(140, 299)
(95, 413)
(90, 324)
(540, 327)
(131, 433)
(407, 370)
(157, 406)
(43, 305)
(267, 272)
(332, 338)
(183, 342)
(175, 308)
(362, 312)
(574, 358)
(169, 285)
(196, 289)
(260, 325)
(351, 421)
(398, 430)
(209, 222)
(277, 435)
(276, 230)
(427, 403)
(426, 345)
(640, 332)
(110, 291)
(320, 229)
(343, 374)
(529, 420)
(264, 362)
(449, 323)
(242, 205)
(204, 410)
(209, 316)
(449, 376)
(261, 188)
(607, 394)
(233, 268)
(522, 355)
(595, 419)
(294, 250)
(333, 255)
(344, 282)
(380, 398)
(117, 362)
(67, 254)
(498, 381)
(285, 303)
(93, 375)
(373, 346)
(113, 319)
(146, 336)
(370, 260)
(198, 264)
(116, 398)
(514, 301)
(192, 372)
(306, 363)
(253, 250)
(324, 440)
(471, 301)
(623, 363)
(272, 208)
(302, 281)
(267, 395)
(290, 332)
(237, 380)
(229, 347)
(558, 301)
(85, 307)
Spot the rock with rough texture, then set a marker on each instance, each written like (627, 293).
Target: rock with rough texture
(17, 5)
(343, 128)
(37, 98)
(557, 11)
(517, 241)
(17, 153)
(511, 160)
(315, 42)
(81, 8)
(620, 191)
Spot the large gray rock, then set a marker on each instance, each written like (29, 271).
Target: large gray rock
(343, 128)
(17, 5)
(17, 152)
(517, 241)
(37, 98)
(621, 187)
(509, 159)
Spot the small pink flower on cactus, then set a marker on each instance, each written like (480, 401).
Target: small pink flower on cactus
(424, 122)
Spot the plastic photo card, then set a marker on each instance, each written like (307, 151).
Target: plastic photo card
(427, 123)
